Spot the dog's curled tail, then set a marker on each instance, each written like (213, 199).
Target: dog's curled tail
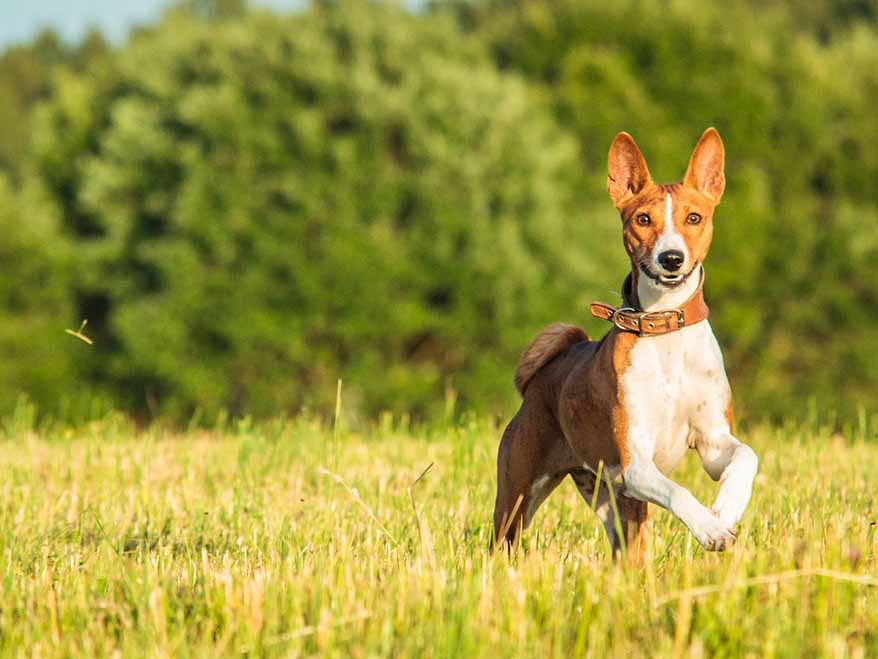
(546, 345)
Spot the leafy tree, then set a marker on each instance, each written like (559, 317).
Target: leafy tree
(34, 303)
(26, 78)
(793, 271)
(247, 207)
(263, 205)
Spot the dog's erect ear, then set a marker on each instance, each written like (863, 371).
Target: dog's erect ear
(628, 172)
(705, 172)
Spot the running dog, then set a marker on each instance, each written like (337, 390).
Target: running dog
(631, 404)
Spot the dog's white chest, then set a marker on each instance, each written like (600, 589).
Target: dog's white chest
(674, 390)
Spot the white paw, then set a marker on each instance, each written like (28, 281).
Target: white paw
(713, 533)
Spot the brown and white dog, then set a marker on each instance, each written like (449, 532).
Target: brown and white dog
(652, 388)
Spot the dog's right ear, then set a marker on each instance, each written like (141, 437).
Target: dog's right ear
(628, 172)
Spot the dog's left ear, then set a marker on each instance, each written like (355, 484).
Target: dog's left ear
(705, 172)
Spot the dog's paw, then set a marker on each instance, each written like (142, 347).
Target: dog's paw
(713, 533)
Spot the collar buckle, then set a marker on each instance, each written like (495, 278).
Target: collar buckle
(618, 319)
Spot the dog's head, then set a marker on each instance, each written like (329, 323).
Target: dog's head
(667, 228)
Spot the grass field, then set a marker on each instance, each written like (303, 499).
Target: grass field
(288, 539)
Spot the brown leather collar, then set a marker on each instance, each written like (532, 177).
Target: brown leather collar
(650, 323)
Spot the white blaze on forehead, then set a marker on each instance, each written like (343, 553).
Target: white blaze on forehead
(670, 238)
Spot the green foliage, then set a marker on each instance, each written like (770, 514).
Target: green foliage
(263, 206)
(26, 78)
(793, 274)
(34, 299)
(248, 207)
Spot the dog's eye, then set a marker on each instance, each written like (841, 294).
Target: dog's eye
(643, 220)
(693, 218)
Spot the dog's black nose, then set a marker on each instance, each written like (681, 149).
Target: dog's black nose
(671, 260)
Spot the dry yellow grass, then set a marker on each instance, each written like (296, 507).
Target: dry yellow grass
(291, 539)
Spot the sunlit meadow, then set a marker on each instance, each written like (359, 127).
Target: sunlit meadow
(296, 539)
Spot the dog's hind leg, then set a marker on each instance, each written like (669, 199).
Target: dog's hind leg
(634, 524)
(532, 460)
(632, 520)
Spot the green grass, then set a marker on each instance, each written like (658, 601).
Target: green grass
(237, 542)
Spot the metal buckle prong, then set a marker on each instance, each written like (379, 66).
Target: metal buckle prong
(617, 320)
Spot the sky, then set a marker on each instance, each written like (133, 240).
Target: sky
(22, 19)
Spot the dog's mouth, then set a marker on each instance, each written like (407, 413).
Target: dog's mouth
(667, 281)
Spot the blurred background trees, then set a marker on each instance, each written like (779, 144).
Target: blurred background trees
(248, 206)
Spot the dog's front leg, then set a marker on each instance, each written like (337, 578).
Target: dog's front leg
(734, 465)
(645, 482)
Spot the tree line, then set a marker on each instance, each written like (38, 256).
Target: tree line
(248, 206)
